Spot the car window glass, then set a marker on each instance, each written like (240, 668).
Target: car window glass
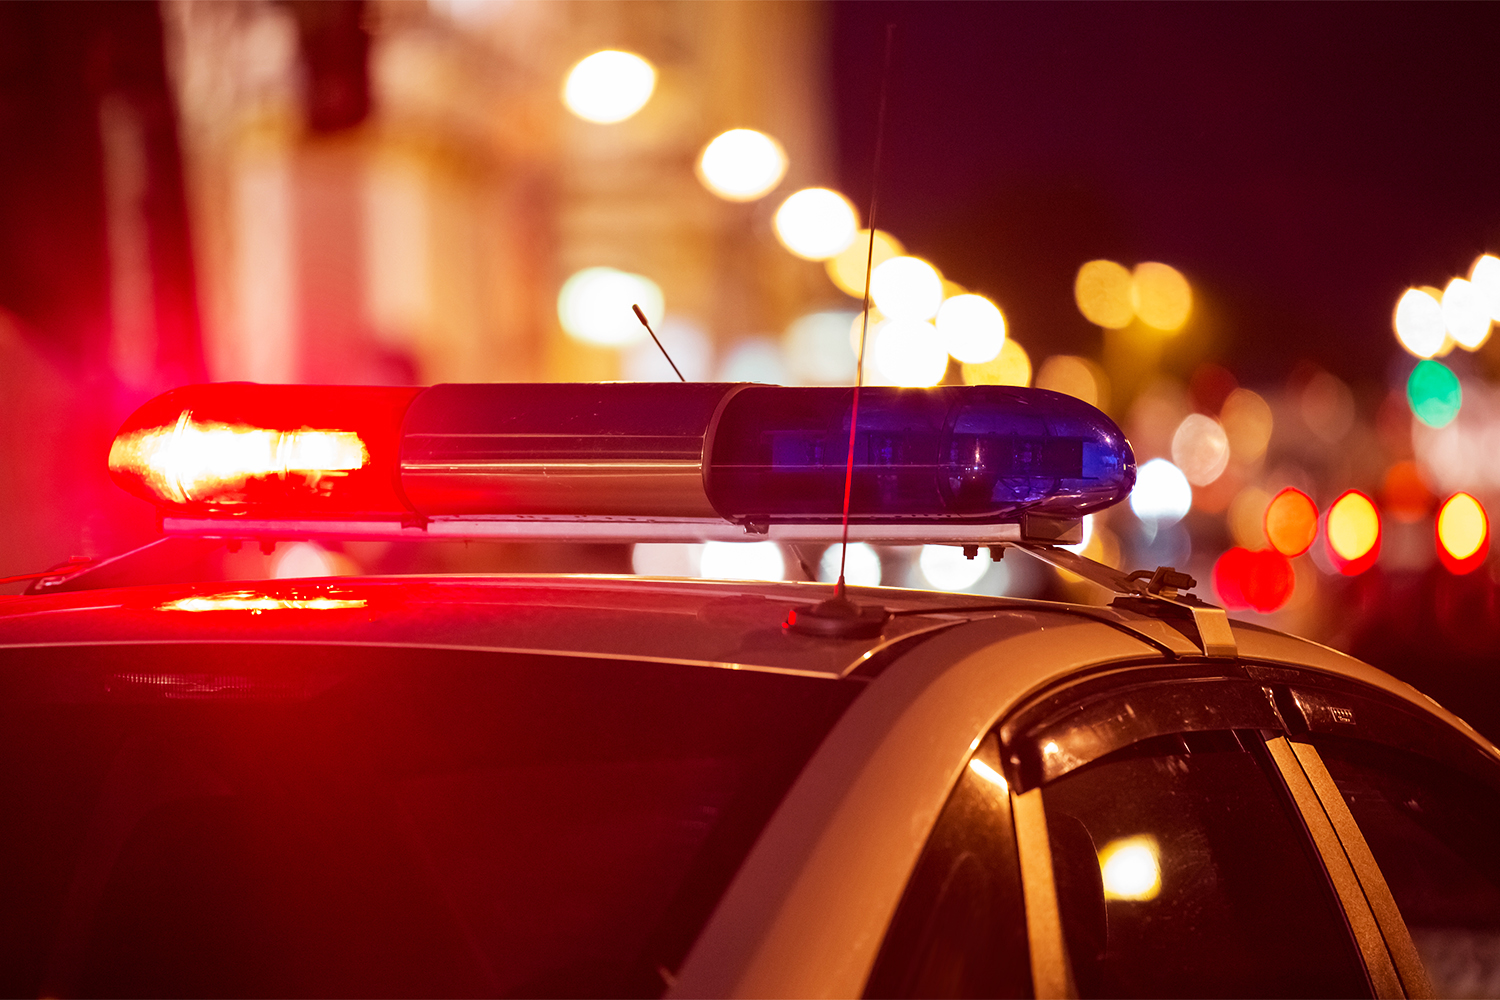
(960, 930)
(1181, 872)
(272, 820)
(1435, 834)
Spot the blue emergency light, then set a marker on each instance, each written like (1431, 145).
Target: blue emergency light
(683, 461)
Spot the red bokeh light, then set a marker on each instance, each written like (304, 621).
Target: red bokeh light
(1261, 580)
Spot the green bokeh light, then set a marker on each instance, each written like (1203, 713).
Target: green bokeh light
(1434, 393)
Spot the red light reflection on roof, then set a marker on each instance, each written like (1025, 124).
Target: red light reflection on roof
(246, 600)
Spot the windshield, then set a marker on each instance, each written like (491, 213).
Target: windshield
(278, 819)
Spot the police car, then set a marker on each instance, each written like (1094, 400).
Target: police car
(555, 785)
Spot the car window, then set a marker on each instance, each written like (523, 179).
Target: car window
(1180, 871)
(267, 820)
(960, 930)
(1435, 833)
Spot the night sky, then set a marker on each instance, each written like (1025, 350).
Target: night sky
(1303, 164)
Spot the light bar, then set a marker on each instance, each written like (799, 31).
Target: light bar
(954, 463)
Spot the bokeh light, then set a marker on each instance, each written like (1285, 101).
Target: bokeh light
(906, 288)
(946, 567)
(972, 328)
(1261, 580)
(1434, 394)
(304, 559)
(1129, 869)
(907, 352)
(817, 348)
(1327, 405)
(1485, 276)
(742, 165)
(1248, 423)
(1291, 522)
(1466, 314)
(1419, 323)
(1463, 533)
(742, 561)
(594, 306)
(1012, 366)
(691, 350)
(816, 223)
(1200, 448)
(847, 268)
(1103, 293)
(754, 359)
(1246, 517)
(861, 566)
(1404, 495)
(1353, 532)
(1162, 494)
(666, 559)
(609, 86)
(1161, 296)
(1076, 377)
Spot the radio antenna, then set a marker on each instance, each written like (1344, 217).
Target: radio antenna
(864, 327)
(642, 317)
(839, 617)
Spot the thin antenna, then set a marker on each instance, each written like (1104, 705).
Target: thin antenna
(642, 317)
(838, 617)
(864, 329)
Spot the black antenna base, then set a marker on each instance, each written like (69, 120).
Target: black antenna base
(837, 618)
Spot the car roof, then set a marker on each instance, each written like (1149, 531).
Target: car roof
(733, 624)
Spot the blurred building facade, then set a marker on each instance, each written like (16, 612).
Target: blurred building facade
(419, 230)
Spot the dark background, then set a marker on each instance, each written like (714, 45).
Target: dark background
(1303, 164)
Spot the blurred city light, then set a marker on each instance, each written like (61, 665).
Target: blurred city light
(1129, 869)
(1161, 296)
(816, 223)
(1404, 494)
(754, 359)
(742, 561)
(1248, 423)
(742, 165)
(946, 567)
(1246, 517)
(861, 566)
(1353, 532)
(972, 328)
(1200, 448)
(594, 306)
(1419, 323)
(1291, 522)
(690, 348)
(1485, 276)
(303, 559)
(1466, 314)
(1012, 366)
(847, 269)
(1076, 377)
(666, 559)
(1327, 406)
(609, 86)
(907, 288)
(907, 352)
(817, 348)
(1162, 494)
(1463, 533)
(1262, 579)
(1434, 393)
(1103, 293)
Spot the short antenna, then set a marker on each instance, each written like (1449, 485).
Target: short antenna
(838, 617)
(642, 317)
